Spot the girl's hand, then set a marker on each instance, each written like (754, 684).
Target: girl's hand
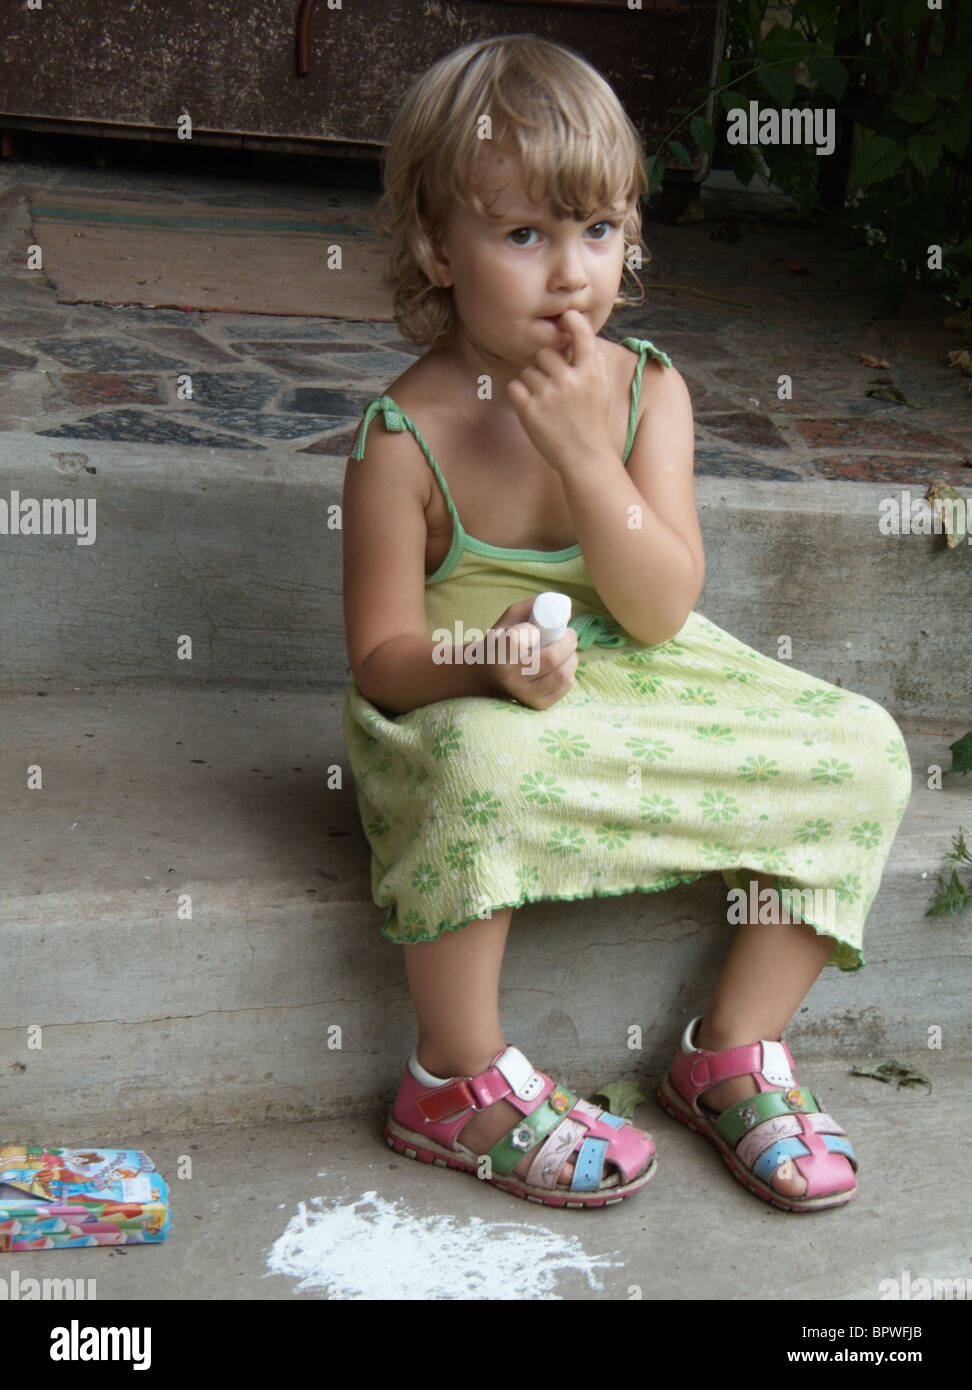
(564, 406)
(552, 668)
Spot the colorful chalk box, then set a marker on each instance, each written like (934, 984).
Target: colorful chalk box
(53, 1199)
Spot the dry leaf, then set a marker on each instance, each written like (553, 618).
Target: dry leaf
(890, 393)
(893, 1071)
(953, 509)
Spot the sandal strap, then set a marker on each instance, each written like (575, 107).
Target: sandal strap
(528, 1132)
(757, 1141)
(697, 1070)
(770, 1060)
(598, 1137)
(589, 1163)
(555, 1151)
(509, 1075)
(820, 1174)
(552, 1116)
(742, 1117)
(783, 1121)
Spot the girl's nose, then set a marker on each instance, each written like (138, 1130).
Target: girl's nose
(568, 272)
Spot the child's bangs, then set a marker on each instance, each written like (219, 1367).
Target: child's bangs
(580, 162)
(550, 112)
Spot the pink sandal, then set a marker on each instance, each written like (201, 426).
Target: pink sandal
(755, 1136)
(429, 1114)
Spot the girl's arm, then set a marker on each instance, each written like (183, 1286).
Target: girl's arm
(384, 538)
(638, 526)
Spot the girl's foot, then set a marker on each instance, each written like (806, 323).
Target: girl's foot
(787, 1180)
(487, 1127)
(431, 1116)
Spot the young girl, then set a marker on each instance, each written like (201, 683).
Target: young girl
(645, 747)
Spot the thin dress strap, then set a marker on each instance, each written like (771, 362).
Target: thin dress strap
(396, 420)
(643, 347)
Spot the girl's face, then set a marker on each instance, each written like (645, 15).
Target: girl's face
(511, 275)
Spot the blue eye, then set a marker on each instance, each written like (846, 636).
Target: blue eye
(609, 228)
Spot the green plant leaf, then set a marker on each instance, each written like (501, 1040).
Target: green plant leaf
(730, 98)
(829, 74)
(914, 107)
(740, 161)
(680, 152)
(950, 898)
(783, 44)
(944, 74)
(623, 1098)
(655, 169)
(925, 152)
(890, 393)
(953, 131)
(778, 84)
(703, 134)
(893, 1071)
(878, 158)
(953, 897)
(961, 754)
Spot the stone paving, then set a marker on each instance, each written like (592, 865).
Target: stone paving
(740, 319)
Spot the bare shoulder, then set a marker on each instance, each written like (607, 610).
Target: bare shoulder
(658, 382)
(421, 388)
(665, 394)
(389, 452)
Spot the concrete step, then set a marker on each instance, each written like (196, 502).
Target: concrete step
(152, 1021)
(239, 552)
(332, 1214)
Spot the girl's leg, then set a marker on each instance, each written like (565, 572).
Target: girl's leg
(768, 971)
(455, 993)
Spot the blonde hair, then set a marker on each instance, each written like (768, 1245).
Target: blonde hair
(545, 102)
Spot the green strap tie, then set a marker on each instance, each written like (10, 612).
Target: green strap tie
(594, 631)
(394, 421)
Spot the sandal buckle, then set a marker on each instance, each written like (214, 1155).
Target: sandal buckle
(776, 1066)
(530, 1088)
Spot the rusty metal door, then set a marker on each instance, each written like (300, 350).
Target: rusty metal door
(299, 75)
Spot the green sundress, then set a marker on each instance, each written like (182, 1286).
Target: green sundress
(661, 764)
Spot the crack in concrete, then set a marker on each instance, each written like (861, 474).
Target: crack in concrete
(176, 1018)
